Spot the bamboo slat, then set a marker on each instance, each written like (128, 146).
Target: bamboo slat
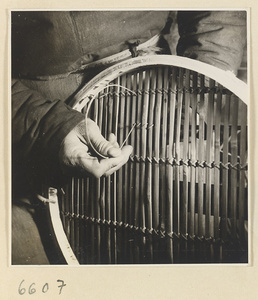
(193, 155)
(71, 209)
(120, 197)
(77, 214)
(156, 152)
(177, 152)
(184, 201)
(143, 86)
(128, 126)
(242, 175)
(169, 154)
(149, 152)
(233, 160)
(224, 193)
(93, 200)
(217, 118)
(115, 131)
(209, 150)
(132, 142)
(137, 152)
(201, 149)
(164, 129)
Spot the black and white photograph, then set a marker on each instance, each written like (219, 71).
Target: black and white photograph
(130, 135)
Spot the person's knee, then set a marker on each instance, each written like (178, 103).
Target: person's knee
(27, 247)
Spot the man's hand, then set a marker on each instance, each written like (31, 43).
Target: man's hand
(75, 154)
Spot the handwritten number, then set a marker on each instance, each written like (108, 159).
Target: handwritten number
(31, 289)
(21, 291)
(45, 288)
(61, 286)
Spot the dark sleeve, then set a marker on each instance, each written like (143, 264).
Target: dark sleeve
(38, 124)
(214, 37)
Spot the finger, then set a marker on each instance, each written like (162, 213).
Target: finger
(112, 138)
(117, 164)
(91, 165)
(99, 168)
(114, 152)
(99, 143)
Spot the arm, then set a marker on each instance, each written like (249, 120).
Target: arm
(38, 123)
(51, 131)
(213, 37)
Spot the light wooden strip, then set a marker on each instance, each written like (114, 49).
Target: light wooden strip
(107, 115)
(95, 108)
(71, 192)
(128, 127)
(109, 190)
(126, 187)
(110, 110)
(93, 203)
(67, 209)
(77, 215)
(217, 118)
(98, 244)
(99, 188)
(109, 243)
(64, 197)
(82, 238)
(169, 154)
(145, 107)
(100, 111)
(184, 200)
(98, 194)
(120, 140)
(149, 175)
(87, 212)
(133, 142)
(115, 246)
(193, 155)
(177, 197)
(95, 114)
(82, 196)
(156, 152)
(58, 228)
(87, 208)
(111, 193)
(224, 199)
(95, 85)
(115, 126)
(233, 177)
(108, 197)
(140, 170)
(170, 250)
(164, 129)
(242, 175)
(201, 151)
(138, 153)
(209, 157)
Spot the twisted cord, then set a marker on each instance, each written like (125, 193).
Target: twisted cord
(143, 230)
(198, 90)
(189, 163)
